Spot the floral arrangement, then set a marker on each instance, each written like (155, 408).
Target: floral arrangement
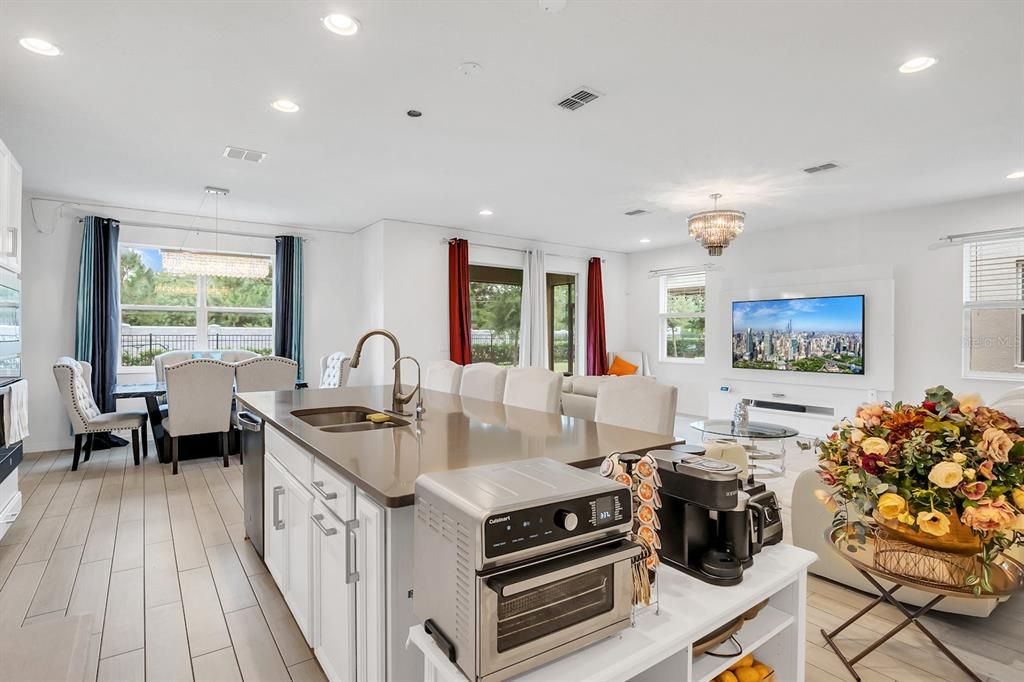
(928, 466)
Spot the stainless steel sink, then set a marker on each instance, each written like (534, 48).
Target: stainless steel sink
(345, 419)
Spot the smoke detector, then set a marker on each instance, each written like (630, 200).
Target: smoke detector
(581, 96)
(470, 69)
(819, 169)
(241, 154)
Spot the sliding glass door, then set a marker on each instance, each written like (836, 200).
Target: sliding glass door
(561, 322)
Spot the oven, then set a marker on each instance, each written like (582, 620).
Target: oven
(521, 562)
(534, 613)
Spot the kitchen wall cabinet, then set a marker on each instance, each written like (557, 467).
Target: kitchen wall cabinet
(327, 546)
(10, 209)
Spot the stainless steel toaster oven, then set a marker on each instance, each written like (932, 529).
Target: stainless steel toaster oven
(519, 563)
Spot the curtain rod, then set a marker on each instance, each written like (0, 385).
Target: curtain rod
(182, 228)
(984, 236)
(445, 240)
(690, 269)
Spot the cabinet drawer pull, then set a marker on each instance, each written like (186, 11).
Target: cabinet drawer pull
(319, 487)
(318, 519)
(351, 575)
(278, 521)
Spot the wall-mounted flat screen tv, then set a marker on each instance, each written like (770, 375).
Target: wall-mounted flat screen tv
(821, 334)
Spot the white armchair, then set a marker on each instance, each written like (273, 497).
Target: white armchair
(74, 380)
(334, 370)
(633, 357)
(199, 397)
(270, 373)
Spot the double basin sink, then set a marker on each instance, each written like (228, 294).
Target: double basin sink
(346, 419)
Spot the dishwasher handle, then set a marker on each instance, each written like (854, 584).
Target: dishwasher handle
(247, 421)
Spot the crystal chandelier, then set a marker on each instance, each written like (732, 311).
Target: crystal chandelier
(214, 264)
(714, 229)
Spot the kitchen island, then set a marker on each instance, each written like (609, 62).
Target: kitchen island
(338, 505)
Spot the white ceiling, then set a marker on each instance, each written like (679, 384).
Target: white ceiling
(733, 97)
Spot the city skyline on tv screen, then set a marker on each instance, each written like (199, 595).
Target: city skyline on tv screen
(822, 334)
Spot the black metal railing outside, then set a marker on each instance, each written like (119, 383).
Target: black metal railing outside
(138, 350)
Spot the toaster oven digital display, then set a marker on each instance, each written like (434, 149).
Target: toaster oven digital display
(535, 526)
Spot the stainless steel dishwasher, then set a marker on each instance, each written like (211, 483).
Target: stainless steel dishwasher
(250, 428)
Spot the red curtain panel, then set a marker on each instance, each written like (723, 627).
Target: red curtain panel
(597, 353)
(459, 324)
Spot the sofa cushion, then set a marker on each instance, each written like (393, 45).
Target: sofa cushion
(588, 385)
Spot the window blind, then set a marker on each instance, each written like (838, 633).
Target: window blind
(994, 273)
(686, 280)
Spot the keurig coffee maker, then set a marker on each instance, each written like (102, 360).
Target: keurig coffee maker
(710, 529)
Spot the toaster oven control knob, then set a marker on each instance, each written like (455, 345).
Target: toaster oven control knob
(566, 519)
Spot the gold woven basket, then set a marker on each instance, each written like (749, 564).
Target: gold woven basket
(922, 564)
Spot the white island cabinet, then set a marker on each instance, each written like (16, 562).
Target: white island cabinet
(326, 544)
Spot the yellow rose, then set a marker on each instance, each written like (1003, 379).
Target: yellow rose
(969, 402)
(946, 474)
(959, 457)
(891, 505)
(856, 436)
(1018, 498)
(933, 523)
(969, 474)
(874, 446)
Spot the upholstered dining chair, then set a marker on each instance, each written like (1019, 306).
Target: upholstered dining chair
(74, 380)
(534, 388)
(334, 370)
(483, 381)
(270, 373)
(443, 375)
(199, 397)
(639, 403)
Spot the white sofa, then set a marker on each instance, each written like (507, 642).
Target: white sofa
(579, 393)
(810, 518)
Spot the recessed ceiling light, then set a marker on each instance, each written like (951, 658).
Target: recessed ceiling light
(486, 211)
(40, 46)
(917, 64)
(342, 24)
(285, 105)
(1015, 175)
(645, 240)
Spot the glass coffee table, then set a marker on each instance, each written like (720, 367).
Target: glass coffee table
(753, 436)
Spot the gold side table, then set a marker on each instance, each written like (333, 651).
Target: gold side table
(1007, 578)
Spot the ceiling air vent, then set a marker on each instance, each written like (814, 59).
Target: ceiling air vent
(244, 154)
(823, 167)
(576, 100)
(637, 211)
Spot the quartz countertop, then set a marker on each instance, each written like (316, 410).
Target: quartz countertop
(456, 432)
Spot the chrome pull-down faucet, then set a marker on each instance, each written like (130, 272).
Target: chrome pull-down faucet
(418, 391)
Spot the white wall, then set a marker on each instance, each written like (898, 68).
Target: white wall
(927, 346)
(406, 287)
(50, 255)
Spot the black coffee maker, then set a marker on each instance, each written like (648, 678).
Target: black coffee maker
(709, 527)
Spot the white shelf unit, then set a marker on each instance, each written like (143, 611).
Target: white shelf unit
(658, 647)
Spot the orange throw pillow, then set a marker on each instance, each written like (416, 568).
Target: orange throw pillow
(621, 368)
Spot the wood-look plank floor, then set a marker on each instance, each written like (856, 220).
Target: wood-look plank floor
(160, 561)
(178, 593)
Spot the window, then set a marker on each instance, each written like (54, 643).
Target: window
(163, 309)
(495, 296)
(993, 314)
(682, 316)
(561, 322)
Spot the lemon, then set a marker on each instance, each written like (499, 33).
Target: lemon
(762, 670)
(744, 662)
(727, 676)
(747, 674)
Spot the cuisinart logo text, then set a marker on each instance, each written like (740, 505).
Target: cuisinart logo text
(499, 519)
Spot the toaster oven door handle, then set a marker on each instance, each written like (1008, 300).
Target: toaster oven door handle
(507, 585)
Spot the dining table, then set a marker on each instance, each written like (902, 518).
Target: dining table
(152, 392)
